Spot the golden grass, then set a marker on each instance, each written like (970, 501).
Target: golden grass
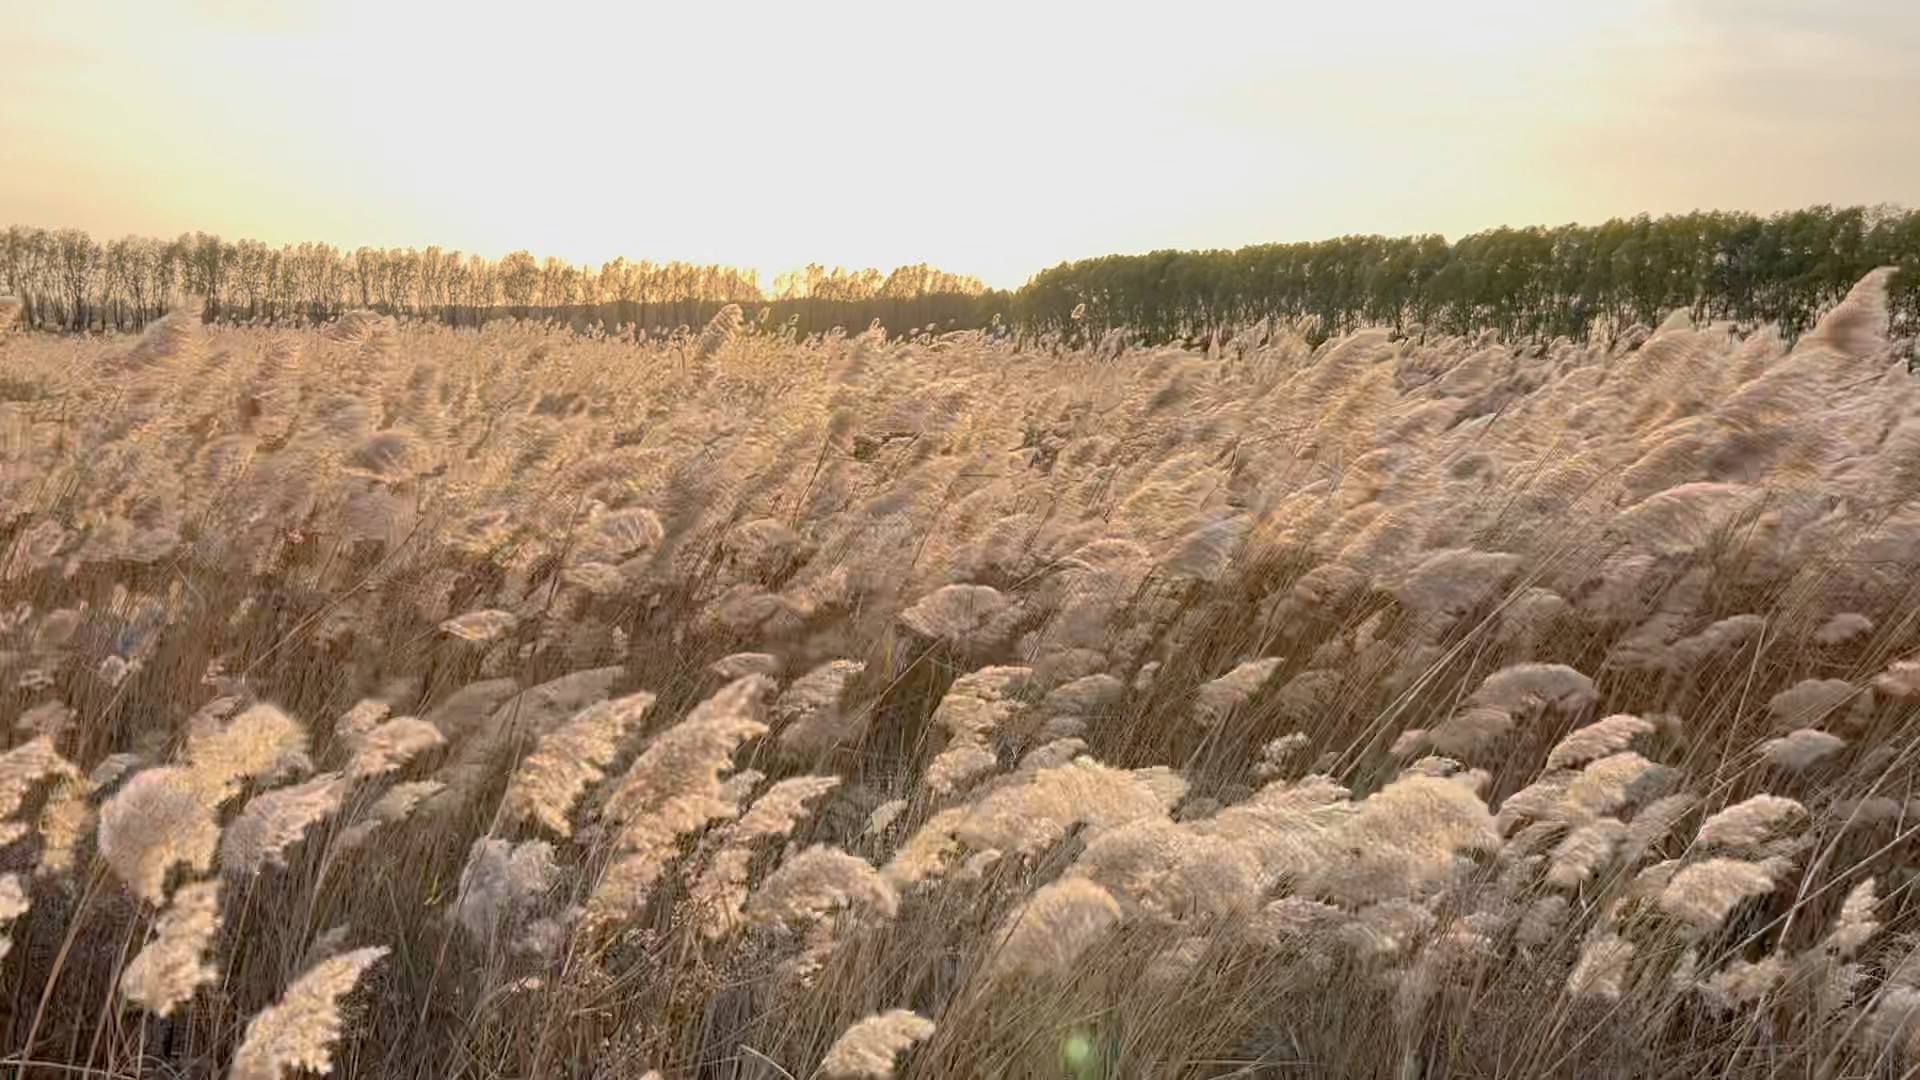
(515, 704)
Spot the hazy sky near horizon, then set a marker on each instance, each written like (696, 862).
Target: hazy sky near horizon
(995, 137)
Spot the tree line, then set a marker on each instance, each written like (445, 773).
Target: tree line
(67, 280)
(1538, 281)
(1785, 269)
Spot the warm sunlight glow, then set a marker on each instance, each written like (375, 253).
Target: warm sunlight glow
(991, 138)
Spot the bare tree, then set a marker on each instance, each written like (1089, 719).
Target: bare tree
(79, 266)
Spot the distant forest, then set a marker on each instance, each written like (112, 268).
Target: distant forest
(70, 281)
(1750, 269)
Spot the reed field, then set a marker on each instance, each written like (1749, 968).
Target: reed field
(391, 700)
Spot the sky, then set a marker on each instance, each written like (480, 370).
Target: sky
(993, 137)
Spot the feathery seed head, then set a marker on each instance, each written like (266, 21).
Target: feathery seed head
(868, 1049)
(388, 747)
(299, 1030)
(809, 886)
(1054, 927)
(172, 966)
(160, 819)
(1703, 894)
(272, 822)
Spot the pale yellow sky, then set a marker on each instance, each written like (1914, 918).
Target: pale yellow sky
(994, 137)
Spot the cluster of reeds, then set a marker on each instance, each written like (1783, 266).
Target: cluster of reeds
(395, 701)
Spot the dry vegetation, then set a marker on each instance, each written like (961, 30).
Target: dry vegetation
(407, 702)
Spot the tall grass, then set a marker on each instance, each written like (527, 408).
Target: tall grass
(403, 702)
